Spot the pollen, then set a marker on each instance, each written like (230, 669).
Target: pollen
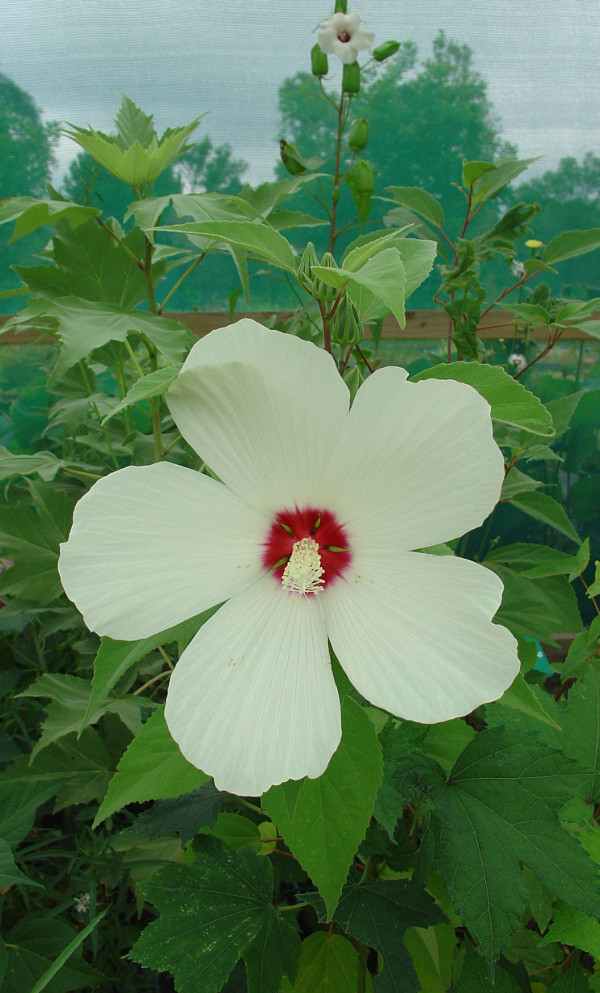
(304, 573)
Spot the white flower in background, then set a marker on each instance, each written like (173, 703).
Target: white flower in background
(518, 269)
(307, 538)
(517, 361)
(82, 903)
(341, 35)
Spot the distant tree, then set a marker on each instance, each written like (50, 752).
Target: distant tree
(570, 200)
(205, 168)
(26, 160)
(26, 144)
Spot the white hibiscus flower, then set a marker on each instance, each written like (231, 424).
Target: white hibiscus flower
(307, 538)
(341, 35)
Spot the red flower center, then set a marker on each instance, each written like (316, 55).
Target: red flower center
(344, 37)
(290, 526)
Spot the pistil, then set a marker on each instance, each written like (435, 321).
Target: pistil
(304, 573)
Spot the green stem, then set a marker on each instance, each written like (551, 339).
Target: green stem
(148, 271)
(181, 279)
(133, 358)
(336, 175)
(579, 361)
(79, 473)
(154, 404)
(120, 241)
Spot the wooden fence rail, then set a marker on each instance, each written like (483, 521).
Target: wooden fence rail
(424, 325)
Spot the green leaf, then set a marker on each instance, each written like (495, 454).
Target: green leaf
(31, 214)
(472, 171)
(534, 561)
(570, 244)
(367, 246)
(324, 820)
(511, 403)
(445, 741)
(497, 809)
(493, 181)
(546, 509)
(10, 874)
(185, 814)
(67, 952)
(34, 946)
(432, 951)
(594, 587)
(76, 771)
(225, 899)
(154, 384)
(516, 482)
(283, 220)
(582, 649)
(83, 326)
(562, 410)
(420, 202)
(475, 976)
(571, 927)
(267, 196)
(581, 731)
(377, 288)
(235, 831)
(152, 768)
(18, 804)
(89, 263)
(45, 464)
(30, 537)
(520, 696)
(69, 697)
(133, 125)
(135, 164)
(274, 953)
(328, 964)
(115, 658)
(536, 608)
(378, 913)
(259, 239)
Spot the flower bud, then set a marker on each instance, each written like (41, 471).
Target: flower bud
(353, 379)
(362, 175)
(308, 260)
(346, 325)
(359, 134)
(385, 50)
(320, 290)
(290, 156)
(351, 78)
(319, 62)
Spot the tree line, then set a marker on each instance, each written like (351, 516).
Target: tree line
(425, 118)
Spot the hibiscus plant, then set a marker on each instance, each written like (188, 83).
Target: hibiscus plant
(280, 712)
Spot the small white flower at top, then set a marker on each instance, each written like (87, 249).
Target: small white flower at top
(341, 35)
(517, 361)
(518, 269)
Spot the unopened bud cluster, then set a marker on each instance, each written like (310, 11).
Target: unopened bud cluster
(346, 325)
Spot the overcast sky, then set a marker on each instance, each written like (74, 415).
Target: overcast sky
(179, 58)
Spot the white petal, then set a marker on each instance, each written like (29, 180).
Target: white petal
(416, 463)
(263, 409)
(415, 637)
(252, 700)
(153, 545)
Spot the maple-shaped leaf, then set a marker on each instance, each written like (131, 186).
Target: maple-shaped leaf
(378, 913)
(497, 809)
(211, 912)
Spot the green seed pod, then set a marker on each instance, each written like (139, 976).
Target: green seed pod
(362, 175)
(359, 134)
(385, 50)
(351, 77)
(319, 62)
(308, 260)
(322, 291)
(353, 379)
(346, 325)
(290, 156)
